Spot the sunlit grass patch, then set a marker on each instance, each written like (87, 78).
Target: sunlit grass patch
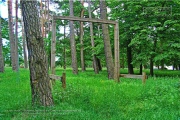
(91, 96)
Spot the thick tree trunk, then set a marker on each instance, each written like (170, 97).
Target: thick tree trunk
(129, 60)
(95, 63)
(38, 64)
(72, 40)
(106, 38)
(81, 38)
(1, 50)
(11, 38)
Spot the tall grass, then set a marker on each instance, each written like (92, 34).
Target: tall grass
(92, 97)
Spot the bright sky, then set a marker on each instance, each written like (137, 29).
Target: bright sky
(4, 9)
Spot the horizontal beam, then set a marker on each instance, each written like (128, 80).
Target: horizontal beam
(131, 76)
(84, 19)
(143, 76)
(55, 77)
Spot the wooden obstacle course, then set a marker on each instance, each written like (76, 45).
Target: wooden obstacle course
(102, 21)
(61, 78)
(143, 76)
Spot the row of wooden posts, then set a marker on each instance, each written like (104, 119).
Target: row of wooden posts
(63, 77)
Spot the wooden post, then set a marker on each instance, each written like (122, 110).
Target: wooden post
(63, 80)
(144, 78)
(116, 52)
(53, 47)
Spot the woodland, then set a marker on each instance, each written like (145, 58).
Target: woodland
(34, 45)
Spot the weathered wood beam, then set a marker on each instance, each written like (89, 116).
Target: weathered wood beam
(55, 77)
(116, 52)
(53, 47)
(84, 19)
(143, 76)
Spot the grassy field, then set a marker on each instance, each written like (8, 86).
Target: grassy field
(93, 97)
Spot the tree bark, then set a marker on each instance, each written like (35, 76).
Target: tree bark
(95, 63)
(72, 40)
(16, 38)
(1, 50)
(106, 38)
(38, 64)
(24, 44)
(129, 59)
(81, 39)
(11, 37)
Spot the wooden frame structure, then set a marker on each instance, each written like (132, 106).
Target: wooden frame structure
(143, 77)
(70, 18)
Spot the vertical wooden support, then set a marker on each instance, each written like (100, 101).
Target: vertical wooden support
(144, 78)
(116, 52)
(63, 80)
(53, 47)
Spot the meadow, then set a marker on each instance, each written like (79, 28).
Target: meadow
(90, 96)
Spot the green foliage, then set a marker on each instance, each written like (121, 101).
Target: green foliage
(91, 96)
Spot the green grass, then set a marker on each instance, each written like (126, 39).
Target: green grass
(93, 97)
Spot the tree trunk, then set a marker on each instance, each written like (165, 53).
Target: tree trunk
(129, 59)
(151, 67)
(1, 50)
(99, 64)
(38, 64)
(81, 38)
(16, 38)
(106, 38)
(72, 40)
(64, 49)
(11, 37)
(24, 45)
(95, 63)
(140, 70)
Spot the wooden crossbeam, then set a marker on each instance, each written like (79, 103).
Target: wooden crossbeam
(55, 77)
(84, 19)
(143, 76)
